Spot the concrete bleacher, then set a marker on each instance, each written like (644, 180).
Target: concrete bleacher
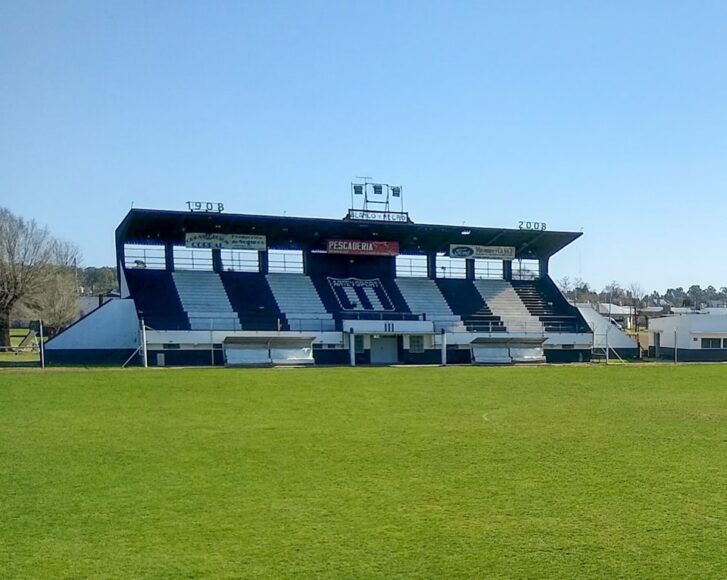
(423, 296)
(465, 301)
(156, 299)
(298, 300)
(383, 302)
(204, 299)
(200, 300)
(252, 299)
(505, 303)
(549, 306)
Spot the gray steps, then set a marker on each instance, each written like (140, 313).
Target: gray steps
(503, 301)
(204, 299)
(423, 296)
(298, 299)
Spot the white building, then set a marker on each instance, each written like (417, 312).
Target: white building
(696, 337)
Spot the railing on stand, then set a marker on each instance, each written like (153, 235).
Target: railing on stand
(411, 267)
(311, 324)
(141, 257)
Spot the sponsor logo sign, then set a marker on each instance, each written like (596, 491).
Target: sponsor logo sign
(485, 252)
(225, 241)
(363, 248)
(356, 294)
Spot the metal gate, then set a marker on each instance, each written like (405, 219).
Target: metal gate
(384, 350)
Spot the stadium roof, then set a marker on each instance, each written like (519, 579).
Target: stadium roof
(145, 226)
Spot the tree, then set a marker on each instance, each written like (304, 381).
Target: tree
(565, 285)
(56, 302)
(637, 293)
(612, 292)
(98, 280)
(32, 263)
(696, 295)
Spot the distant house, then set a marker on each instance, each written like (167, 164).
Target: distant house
(87, 304)
(624, 315)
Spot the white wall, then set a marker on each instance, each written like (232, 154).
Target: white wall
(114, 325)
(190, 338)
(399, 326)
(688, 327)
(601, 326)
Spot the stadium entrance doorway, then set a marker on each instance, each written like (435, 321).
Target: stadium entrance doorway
(384, 350)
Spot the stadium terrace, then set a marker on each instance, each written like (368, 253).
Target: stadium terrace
(201, 288)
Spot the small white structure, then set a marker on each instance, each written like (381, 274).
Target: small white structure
(87, 304)
(696, 337)
(624, 315)
(282, 350)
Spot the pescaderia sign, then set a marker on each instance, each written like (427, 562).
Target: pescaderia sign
(485, 252)
(363, 247)
(225, 241)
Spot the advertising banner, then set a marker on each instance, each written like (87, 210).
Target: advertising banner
(363, 248)
(484, 252)
(225, 241)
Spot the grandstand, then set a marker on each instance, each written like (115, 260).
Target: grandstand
(372, 288)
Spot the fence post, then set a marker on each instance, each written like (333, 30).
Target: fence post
(352, 347)
(444, 348)
(675, 347)
(143, 339)
(607, 346)
(212, 344)
(42, 345)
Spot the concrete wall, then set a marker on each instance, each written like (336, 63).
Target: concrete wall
(112, 326)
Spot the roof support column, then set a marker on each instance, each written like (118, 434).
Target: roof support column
(217, 260)
(543, 267)
(263, 261)
(169, 256)
(307, 256)
(507, 270)
(432, 265)
(469, 269)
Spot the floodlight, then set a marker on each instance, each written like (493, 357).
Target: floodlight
(378, 190)
(358, 189)
(396, 191)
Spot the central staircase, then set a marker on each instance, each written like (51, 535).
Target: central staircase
(505, 303)
(205, 301)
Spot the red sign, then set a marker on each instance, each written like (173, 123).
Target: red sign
(363, 248)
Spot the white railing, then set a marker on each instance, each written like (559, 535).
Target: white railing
(141, 257)
(411, 267)
(192, 259)
(285, 261)
(240, 260)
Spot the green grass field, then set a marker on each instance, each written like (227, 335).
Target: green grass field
(547, 472)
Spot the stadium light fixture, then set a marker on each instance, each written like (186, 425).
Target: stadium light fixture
(378, 190)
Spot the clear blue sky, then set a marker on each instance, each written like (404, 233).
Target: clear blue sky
(605, 116)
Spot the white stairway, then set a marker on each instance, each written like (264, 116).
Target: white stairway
(298, 299)
(205, 300)
(504, 302)
(423, 296)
